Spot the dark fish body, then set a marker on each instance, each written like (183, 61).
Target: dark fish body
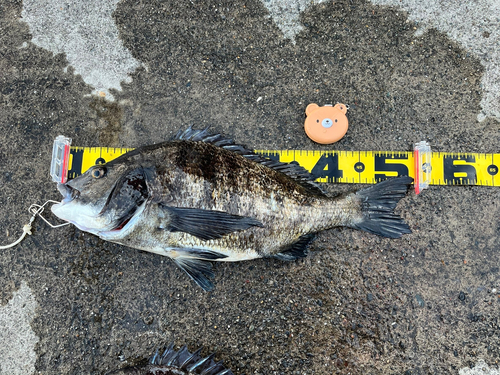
(202, 198)
(181, 362)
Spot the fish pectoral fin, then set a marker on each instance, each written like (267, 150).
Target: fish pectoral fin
(296, 250)
(206, 224)
(199, 270)
(199, 254)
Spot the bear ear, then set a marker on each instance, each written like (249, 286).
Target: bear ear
(310, 108)
(341, 107)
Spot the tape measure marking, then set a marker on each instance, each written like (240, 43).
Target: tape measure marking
(364, 167)
(82, 158)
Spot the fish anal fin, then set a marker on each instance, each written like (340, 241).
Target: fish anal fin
(206, 224)
(296, 250)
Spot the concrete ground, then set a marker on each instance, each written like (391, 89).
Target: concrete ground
(130, 73)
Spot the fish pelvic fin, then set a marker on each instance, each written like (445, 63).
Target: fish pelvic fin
(196, 263)
(200, 271)
(377, 208)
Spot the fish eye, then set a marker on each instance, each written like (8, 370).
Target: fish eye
(98, 172)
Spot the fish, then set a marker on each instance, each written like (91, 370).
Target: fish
(181, 362)
(201, 198)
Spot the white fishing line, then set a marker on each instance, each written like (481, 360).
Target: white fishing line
(35, 210)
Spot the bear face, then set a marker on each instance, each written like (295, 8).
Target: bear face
(326, 124)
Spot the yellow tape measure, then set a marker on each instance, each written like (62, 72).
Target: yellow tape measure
(368, 167)
(364, 167)
(82, 158)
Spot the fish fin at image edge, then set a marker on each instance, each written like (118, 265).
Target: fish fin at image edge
(167, 360)
(192, 362)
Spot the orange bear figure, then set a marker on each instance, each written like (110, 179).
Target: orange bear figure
(326, 124)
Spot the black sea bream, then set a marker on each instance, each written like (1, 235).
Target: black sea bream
(202, 198)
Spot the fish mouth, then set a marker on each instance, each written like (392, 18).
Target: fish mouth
(69, 193)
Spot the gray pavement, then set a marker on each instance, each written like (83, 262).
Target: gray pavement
(132, 73)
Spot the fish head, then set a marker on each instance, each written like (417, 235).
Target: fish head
(103, 199)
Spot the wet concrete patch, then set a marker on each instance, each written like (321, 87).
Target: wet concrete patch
(109, 125)
(476, 31)
(350, 52)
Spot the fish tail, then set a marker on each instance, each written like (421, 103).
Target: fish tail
(377, 208)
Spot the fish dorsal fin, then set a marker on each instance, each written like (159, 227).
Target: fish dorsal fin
(292, 170)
